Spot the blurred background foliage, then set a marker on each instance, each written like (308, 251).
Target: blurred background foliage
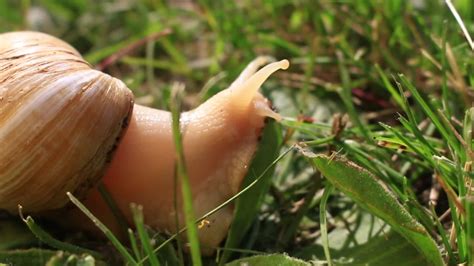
(211, 41)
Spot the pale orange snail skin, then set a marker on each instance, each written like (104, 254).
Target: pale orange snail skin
(220, 138)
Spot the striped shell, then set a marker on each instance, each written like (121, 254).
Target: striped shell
(60, 121)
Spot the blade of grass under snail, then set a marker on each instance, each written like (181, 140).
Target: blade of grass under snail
(117, 213)
(184, 178)
(179, 244)
(225, 203)
(367, 191)
(112, 238)
(248, 205)
(133, 244)
(46, 238)
(39, 256)
(137, 212)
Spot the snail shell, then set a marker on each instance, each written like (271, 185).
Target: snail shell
(60, 121)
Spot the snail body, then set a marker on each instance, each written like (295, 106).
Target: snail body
(219, 138)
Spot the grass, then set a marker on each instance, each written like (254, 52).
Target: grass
(387, 85)
(183, 178)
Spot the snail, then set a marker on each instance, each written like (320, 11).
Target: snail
(64, 126)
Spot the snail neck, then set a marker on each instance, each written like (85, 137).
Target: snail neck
(143, 168)
(147, 154)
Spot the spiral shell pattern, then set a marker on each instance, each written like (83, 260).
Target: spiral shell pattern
(60, 121)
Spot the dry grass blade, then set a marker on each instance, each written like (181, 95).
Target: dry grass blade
(460, 22)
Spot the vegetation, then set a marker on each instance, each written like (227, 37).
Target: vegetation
(372, 163)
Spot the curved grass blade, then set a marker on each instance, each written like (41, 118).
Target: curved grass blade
(183, 176)
(37, 256)
(365, 189)
(46, 238)
(248, 204)
(323, 221)
(15, 235)
(137, 211)
(128, 258)
(222, 205)
(34, 256)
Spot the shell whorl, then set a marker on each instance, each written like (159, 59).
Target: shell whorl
(60, 121)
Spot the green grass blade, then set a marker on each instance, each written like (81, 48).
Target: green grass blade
(444, 236)
(469, 205)
(409, 144)
(248, 204)
(185, 184)
(430, 113)
(15, 235)
(346, 95)
(37, 256)
(52, 242)
(323, 221)
(414, 129)
(113, 239)
(365, 189)
(467, 131)
(460, 231)
(293, 226)
(133, 244)
(117, 213)
(137, 212)
(227, 202)
(396, 96)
